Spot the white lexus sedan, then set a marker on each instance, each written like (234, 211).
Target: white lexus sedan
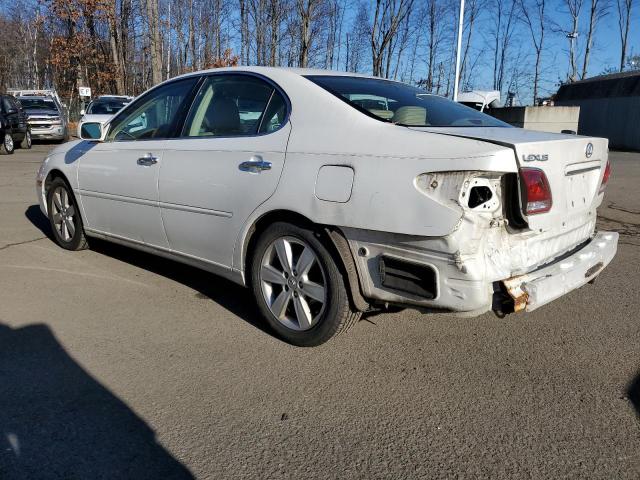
(332, 194)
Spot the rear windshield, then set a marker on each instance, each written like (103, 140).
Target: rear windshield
(402, 104)
(106, 107)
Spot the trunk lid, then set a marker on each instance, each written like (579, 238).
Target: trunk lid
(573, 165)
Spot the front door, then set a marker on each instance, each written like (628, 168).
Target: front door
(227, 162)
(118, 178)
(11, 115)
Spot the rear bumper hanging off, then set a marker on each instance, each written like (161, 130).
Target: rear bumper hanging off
(537, 288)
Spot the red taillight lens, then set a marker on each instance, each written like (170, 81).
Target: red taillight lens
(605, 177)
(537, 192)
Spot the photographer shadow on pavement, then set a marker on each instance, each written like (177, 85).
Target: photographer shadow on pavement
(58, 422)
(633, 393)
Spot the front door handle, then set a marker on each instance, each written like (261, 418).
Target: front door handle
(255, 165)
(147, 160)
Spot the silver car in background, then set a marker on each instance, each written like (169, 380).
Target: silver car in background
(102, 108)
(332, 194)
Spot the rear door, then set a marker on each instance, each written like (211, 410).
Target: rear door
(118, 178)
(226, 163)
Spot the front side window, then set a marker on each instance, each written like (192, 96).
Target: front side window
(6, 105)
(402, 104)
(154, 115)
(235, 105)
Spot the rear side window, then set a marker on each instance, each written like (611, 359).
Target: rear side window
(402, 104)
(235, 105)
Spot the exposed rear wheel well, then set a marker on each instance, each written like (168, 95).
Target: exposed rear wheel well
(331, 237)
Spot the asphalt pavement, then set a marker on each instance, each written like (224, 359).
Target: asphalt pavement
(117, 364)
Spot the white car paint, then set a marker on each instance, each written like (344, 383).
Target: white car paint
(390, 190)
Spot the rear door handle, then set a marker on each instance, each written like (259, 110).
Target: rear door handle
(147, 160)
(255, 165)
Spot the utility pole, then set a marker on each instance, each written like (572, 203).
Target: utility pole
(456, 80)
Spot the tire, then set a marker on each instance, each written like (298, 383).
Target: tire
(307, 307)
(26, 141)
(7, 146)
(61, 203)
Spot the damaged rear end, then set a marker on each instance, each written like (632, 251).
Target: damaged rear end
(525, 237)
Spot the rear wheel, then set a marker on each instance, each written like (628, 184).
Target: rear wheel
(299, 287)
(7, 145)
(64, 216)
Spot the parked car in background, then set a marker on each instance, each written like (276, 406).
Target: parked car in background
(14, 130)
(102, 109)
(331, 194)
(46, 117)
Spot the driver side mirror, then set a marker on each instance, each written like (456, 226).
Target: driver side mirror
(92, 131)
(82, 112)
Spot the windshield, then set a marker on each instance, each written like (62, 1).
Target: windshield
(105, 107)
(402, 104)
(37, 104)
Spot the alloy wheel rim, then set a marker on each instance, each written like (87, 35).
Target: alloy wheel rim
(63, 214)
(293, 283)
(8, 142)
(28, 139)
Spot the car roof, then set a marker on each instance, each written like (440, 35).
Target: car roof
(293, 71)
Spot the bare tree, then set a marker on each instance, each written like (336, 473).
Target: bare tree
(356, 43)
(155, 45)
(624, 20)
(574, 7)
(306, 10)
(534, 17)
(504, 23)
(598, 10)
(434, 14)
(244, 32)
(472, 11)
(387, 18)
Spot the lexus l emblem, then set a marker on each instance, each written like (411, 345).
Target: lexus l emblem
(589, 151)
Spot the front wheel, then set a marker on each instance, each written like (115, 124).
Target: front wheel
(299, 287)
(64, 216)
(26, 141)
(7, 145)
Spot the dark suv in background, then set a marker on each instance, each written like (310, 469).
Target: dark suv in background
(14, 129)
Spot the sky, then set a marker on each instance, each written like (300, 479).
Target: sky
(605, 52)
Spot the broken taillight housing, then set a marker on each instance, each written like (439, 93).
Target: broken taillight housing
(536, 191)
(605, 177)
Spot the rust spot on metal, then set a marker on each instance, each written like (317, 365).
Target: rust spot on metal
(519, 295)
(593, 270)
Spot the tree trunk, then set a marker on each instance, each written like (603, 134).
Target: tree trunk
(155, 46)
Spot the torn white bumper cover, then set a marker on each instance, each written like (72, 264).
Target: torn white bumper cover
(548, 283)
